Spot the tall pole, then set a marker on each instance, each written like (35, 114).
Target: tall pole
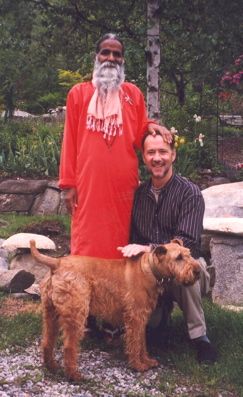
(153, 58)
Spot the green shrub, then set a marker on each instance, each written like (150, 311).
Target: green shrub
(30, 148)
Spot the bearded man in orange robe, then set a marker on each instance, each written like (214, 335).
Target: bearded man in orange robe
(105, 121)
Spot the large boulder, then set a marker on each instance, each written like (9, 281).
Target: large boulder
(226, 257)
(222, 240)
(47, 203)
(224, 200)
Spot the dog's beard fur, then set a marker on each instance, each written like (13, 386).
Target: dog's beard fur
(108, 76)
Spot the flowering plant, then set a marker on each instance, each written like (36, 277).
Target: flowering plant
(232, 79)
(192, 155)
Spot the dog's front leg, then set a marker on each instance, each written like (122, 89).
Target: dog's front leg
(150, 362)
(135, 341)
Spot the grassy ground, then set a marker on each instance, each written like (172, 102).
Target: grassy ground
(12, 223)
(225, 329)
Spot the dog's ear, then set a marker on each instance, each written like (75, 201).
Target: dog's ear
(160, 250)
(177, 241)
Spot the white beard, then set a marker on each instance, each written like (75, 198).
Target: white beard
(107, 77)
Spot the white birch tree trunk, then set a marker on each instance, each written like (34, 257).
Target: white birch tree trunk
(153, 58)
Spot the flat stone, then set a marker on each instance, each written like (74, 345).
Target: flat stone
(23, 186)
(22, 240)
(16, 202)
(228, 226)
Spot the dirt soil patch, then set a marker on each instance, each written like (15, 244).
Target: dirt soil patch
(10, 306)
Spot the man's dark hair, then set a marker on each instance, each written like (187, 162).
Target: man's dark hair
(147, 133)
(108, 36)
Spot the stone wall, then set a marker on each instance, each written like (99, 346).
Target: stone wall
(33, 197)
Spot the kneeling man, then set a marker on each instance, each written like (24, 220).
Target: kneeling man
(165, 207)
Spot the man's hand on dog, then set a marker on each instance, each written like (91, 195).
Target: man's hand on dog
(133, 249)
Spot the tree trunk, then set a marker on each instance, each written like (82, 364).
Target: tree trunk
(153, 58)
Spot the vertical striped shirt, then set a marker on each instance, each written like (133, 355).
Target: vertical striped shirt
(178, 213)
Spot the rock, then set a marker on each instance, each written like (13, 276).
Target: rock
(33, 290)
(224, 225)
(16, 280)
(23, 186)
(232, 308)
(48, 203)
(62, 207)
(227, 258)
(27, 262)
(30, 196)
(22, 240)
(218, 180)
(16, 202)
(3, 264)
(224, 200)
(3, 257)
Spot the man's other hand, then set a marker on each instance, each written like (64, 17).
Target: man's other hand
(71, 199)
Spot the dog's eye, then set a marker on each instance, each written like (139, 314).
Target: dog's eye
(179, 257)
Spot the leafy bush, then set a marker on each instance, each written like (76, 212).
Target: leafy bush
(30, 148)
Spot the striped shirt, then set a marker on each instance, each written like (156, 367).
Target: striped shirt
(178, 213)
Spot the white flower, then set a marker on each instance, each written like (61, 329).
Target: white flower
(200, 139)
(197, 118)
(173, 130)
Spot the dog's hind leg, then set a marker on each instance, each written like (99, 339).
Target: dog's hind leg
(73, 316)
(50, 332)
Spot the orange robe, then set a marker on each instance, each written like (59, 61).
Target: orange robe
(105, 173)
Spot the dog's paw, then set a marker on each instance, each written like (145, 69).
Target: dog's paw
(151, 362)
(52, 366)
(140, 366)
(75, 376)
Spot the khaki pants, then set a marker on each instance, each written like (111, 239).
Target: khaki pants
(189, 299)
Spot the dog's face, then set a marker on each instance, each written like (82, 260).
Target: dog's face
(175, 261)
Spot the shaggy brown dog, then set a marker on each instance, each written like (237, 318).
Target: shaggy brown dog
(121, 291)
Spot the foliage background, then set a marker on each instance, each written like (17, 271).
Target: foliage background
(48, 45)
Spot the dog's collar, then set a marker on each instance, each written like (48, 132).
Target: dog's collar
(161, 280)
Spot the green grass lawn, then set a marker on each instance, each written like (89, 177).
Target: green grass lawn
(12, 223)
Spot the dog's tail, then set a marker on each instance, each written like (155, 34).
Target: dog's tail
(53, 263)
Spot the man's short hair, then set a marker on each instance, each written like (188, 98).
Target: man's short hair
(148, 133)
(108, 36)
